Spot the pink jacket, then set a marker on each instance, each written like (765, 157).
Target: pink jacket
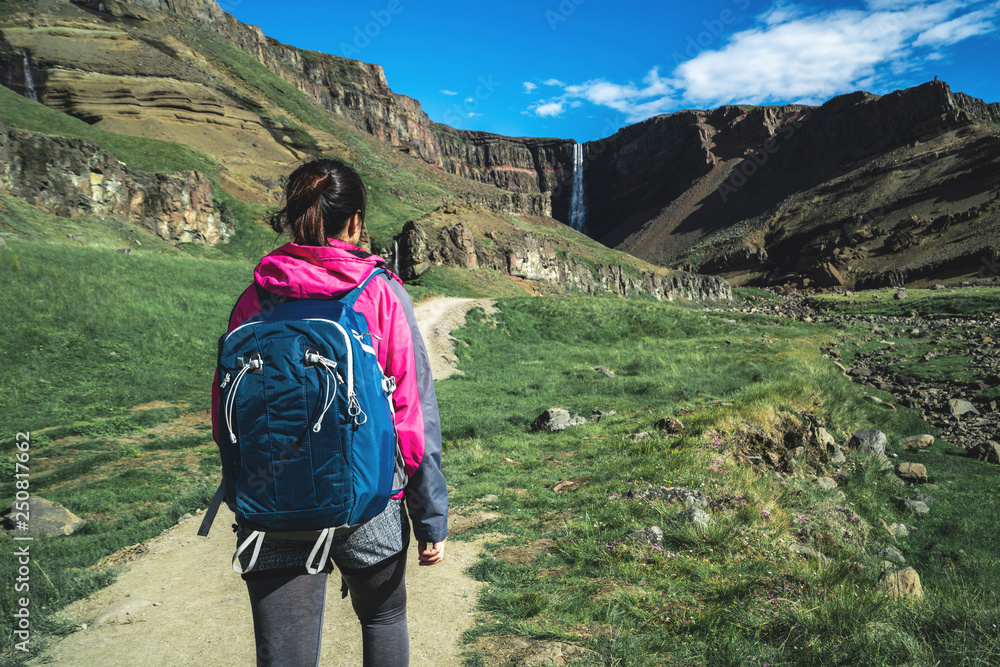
(304, 272)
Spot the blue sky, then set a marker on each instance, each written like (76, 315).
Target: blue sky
(582, 69)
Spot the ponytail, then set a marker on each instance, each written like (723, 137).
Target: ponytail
(320, 199)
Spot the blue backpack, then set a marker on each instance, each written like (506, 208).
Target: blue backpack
(306, 429)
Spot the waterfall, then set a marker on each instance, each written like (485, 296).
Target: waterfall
(29, 80)
(577, 208)
(395, 256)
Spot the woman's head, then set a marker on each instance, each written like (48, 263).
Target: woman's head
(320, 199)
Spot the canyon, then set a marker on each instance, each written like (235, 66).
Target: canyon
(863, 189)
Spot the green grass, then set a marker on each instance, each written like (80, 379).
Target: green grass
(139, 153)
(111, 332)
(730, 595)
(963, 302)
(386, 179)
(115, 331)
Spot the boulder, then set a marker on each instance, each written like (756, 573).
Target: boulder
(892, 554)
(601, 415)
(694, 516)
(899, 530)
(837, 456)
(959, 408)
(652, 535)
(45, 519)
(914, 473)
(827, 275)
(988, 451)
(869, 441)
(900, 582)
(825, 441)
(916, 506)
(917, 442)
(556, 419)
(671, 425)
(826, 483)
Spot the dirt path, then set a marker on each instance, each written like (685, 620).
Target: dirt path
(437, 318)
(178, 602)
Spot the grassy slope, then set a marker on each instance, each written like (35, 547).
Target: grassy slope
(731, 595)
(113, 332)
(120, 331)
(249, 239)
(383, 172)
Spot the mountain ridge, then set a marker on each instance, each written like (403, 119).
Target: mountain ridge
(707, 190)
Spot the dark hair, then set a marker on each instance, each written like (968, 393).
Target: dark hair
(320, 198)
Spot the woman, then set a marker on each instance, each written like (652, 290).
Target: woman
(324, 215)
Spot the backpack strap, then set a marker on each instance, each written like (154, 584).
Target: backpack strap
(351, 297)
(213, 508)
(269, 299)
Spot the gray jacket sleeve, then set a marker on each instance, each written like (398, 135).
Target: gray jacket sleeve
(426, 492)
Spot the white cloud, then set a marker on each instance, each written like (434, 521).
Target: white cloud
(955, 30)
(793, 57)
(470, 99)
(448, 92)
(529, 87)
(780, 13)
(548, 109)
(474, 115)
(794, 54)
(636, 102)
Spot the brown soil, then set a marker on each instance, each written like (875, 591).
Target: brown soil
(437, 318)
(177, 601)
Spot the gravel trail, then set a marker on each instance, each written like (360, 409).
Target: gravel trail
(178, 602)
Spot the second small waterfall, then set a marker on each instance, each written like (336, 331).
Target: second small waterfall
(577, 206)
(29, 80)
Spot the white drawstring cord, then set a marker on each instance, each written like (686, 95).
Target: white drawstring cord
(230, 403)
(325, 536)
(329, 397)
(255, 535)
(354, 409)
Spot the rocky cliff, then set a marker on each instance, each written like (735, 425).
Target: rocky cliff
(760, 194)
(538, 257)
(771, 194)
(131, 66)
(72, 177)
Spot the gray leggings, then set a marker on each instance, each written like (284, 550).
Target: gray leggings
(288, 615)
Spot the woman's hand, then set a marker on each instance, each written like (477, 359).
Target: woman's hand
(430, 554)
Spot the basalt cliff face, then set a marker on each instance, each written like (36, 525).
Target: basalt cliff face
(871, 187)
(360, 94)
(437, 241)
(861, 186)
(72, 177)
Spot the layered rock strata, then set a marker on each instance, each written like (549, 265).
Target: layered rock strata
(530, 257)
(73, 177)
